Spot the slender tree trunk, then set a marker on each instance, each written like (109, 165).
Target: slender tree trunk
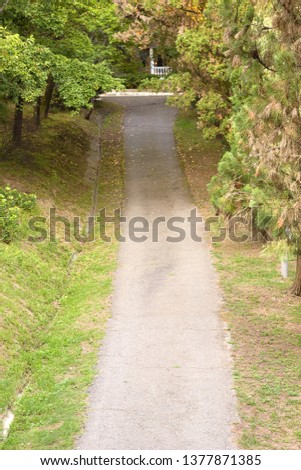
(255, 232)
(37, 114)
(88, 115)
(296, 289)
(18, 122)
(258, 234)
(48, 95)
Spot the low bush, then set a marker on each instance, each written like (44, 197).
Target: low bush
(12, 203)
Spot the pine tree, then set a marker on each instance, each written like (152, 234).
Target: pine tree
(264, 50)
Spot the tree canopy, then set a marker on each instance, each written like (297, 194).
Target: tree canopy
(50, 45)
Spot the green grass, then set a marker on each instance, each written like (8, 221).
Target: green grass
(266, 349)
(264, 319)
(197, 155)
(53, 311)
(61, 366)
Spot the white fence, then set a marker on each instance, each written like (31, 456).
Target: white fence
(161, 71)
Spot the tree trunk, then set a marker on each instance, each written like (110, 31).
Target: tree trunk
(88, 115)
(18, 122)
(37, 114)
(48, 95)
(258, 234)
(255, 232)
(296, 289)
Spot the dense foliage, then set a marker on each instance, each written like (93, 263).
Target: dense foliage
(262, 168)
(12, 204)
(57, 46)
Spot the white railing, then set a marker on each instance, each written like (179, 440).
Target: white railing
(161, 70)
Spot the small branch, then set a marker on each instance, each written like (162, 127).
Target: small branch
(2, 8)
(187, 10)
(256, 56)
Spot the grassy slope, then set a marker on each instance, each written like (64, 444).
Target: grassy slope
(265, 321)
(54, 313)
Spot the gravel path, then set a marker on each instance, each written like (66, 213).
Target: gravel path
(164, 378)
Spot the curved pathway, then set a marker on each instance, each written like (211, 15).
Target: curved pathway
(164, 378)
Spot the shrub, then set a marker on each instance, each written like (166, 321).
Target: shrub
(154, 84)
(12, 204)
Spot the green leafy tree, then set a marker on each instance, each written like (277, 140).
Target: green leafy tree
(202, 78)
(158, 24)
(77, 39)
(190, 35)
(78, 81)
(24, 67)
